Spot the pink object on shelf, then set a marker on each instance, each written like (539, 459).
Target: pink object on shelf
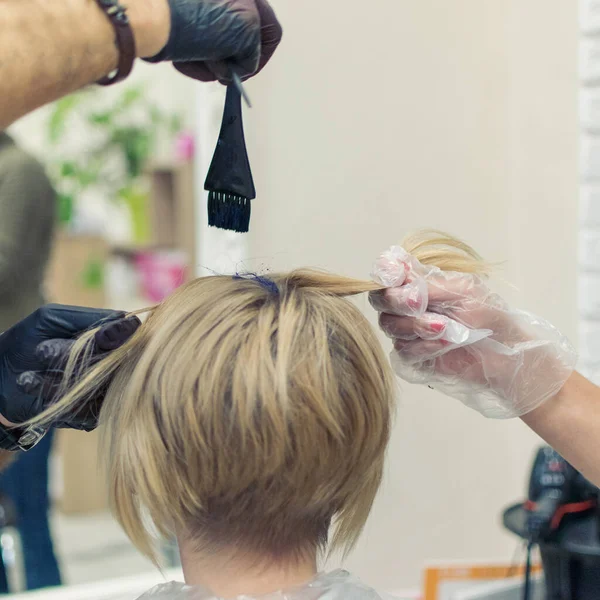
(185, 146)
(161, 273)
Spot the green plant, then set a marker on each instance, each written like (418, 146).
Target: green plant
(119, 141)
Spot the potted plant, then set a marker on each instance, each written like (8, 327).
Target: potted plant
(102, 149)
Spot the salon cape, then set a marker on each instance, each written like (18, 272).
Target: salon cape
(337, 585)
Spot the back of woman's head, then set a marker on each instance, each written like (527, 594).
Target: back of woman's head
(248, 412)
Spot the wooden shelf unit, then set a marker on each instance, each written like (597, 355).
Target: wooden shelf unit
(173, 223)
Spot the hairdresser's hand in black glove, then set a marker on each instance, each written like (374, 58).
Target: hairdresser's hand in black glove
(33, 355)
(208, 37)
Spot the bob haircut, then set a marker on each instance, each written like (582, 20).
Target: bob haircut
(249, 412)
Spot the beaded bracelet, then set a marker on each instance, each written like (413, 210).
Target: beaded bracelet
(124, 40)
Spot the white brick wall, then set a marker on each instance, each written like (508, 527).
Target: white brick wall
(589, 109)
(589, 241)
(590, 206)
(589, 11)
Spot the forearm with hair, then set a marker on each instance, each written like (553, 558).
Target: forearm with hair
(49, 49)
(570, 423)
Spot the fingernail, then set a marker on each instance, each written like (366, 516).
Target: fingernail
(414, 303)
(437, 326)
(390, 269)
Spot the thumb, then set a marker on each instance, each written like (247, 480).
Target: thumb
(60, 321)
(392, 267)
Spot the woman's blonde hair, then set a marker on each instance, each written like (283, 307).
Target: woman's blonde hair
(248, 412)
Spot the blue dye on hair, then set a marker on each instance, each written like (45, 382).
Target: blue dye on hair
(265, 282)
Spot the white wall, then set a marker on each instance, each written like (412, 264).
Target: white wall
(376, 118)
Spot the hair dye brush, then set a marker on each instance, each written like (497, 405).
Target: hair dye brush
(229, 181)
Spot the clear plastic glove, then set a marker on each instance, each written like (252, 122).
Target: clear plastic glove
(452, 333)
(210, 37)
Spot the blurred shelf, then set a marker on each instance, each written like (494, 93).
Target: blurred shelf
(172, 219)
(132, 249)
(168, 165)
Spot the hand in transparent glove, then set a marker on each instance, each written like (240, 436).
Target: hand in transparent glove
(451, 332)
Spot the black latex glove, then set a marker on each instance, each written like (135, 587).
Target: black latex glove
(210, 37)
(34, 351)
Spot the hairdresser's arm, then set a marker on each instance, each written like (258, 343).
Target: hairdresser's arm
(570, 423)
(50, 49)
(452, 333)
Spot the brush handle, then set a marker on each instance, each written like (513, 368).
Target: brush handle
(230, 170)
(240, 88)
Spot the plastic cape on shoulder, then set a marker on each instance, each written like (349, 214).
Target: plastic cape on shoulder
(337, 585)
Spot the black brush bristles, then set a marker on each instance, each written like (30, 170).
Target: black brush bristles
(229, 211)
(229, 182)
